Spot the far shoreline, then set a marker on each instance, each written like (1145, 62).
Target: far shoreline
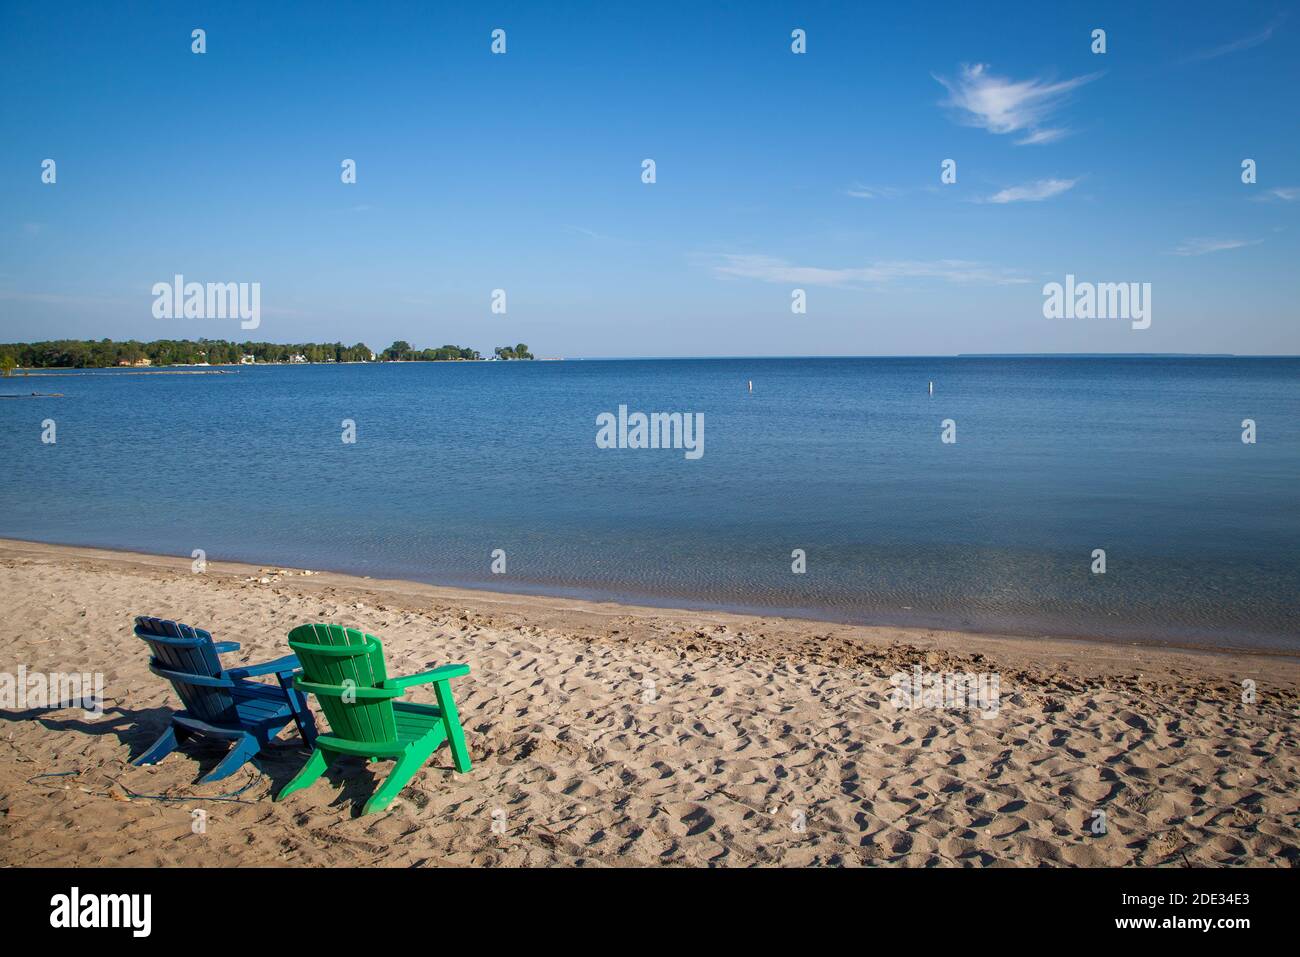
(144, 369)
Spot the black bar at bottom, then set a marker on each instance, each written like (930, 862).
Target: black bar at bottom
(611, 908)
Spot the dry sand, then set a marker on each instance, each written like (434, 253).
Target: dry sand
(606, 734)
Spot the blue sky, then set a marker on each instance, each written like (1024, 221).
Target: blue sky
(774, 171)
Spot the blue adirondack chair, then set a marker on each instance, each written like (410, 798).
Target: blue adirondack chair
(221, 703)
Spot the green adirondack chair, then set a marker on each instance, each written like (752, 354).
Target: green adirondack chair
(344, 669)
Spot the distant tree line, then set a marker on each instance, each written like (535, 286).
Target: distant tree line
(513, 352)
(105, 353)
(401, 351)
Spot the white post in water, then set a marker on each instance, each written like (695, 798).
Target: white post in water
(751, 385)
(932, 387)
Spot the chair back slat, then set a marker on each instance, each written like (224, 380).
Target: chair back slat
(336, 661)
(182, 649)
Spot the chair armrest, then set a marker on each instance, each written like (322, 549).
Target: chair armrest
(223, 646)
(338, 691)
(203, 681)
(286, 665)
(426, 677)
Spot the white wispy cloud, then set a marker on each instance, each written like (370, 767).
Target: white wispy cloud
(772, 269)
(592, 234)
(858, 191)
(1034, 192)
(1042, 136)
(1001, 105)
(1284, 194)
(1199, 247)
(1236, 46)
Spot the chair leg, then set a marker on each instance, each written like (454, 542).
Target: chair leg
(244, 749)
(451, 722)
(405, 769)
(306, 723)
(302, 715)
(165, 744)
(316, 765)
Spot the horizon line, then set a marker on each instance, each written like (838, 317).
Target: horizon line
(958, 355)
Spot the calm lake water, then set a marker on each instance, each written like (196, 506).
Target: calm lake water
(839, 457)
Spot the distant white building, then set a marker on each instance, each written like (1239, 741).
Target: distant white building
(246, 360)
(298, 357)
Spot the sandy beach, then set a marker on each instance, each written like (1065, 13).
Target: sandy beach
(613, 735)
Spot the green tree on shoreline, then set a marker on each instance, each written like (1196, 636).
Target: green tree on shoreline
(513, 352)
